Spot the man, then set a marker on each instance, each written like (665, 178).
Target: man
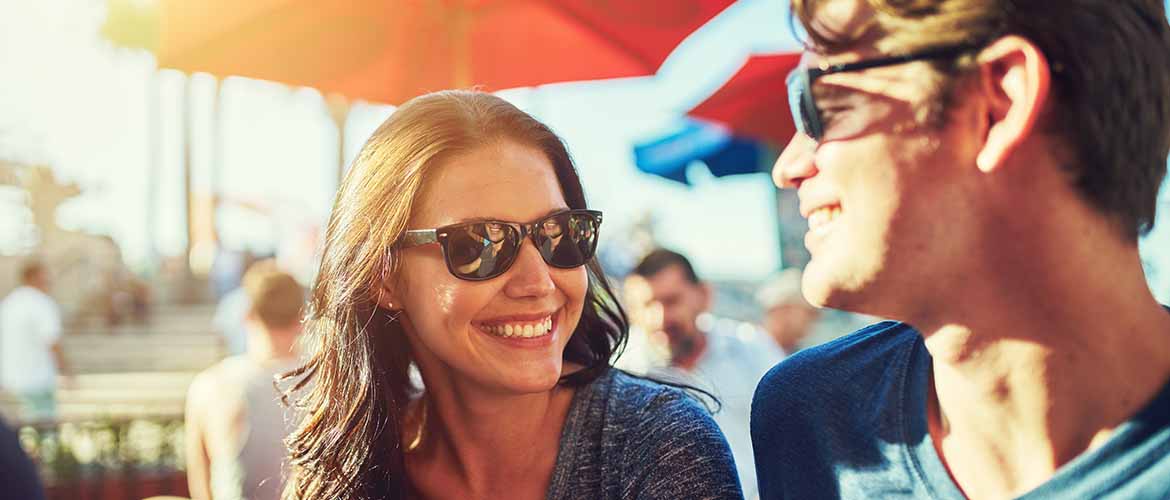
(235, 422)
(987, 189)
(788, 318)
(30, 349)
(724, 357)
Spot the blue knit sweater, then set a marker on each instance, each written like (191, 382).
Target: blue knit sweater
(631, 438)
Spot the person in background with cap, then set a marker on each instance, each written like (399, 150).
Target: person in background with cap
(788, 318)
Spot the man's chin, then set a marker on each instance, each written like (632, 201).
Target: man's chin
(681, 343)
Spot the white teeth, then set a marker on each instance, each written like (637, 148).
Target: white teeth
(823, 216)
(524, 330)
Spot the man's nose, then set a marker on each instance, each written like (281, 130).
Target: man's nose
(795, 163)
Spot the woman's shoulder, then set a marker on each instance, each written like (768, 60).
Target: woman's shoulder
(638, 398)
(639, 410)
(664, 442)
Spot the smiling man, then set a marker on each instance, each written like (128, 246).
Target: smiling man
(980, 171)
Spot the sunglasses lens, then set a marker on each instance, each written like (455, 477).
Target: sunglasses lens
(568, 239)
(800, 103)
(481, 250)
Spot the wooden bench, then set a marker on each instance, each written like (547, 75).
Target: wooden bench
(123, 352)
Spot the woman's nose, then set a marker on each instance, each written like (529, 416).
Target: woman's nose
(530, 275)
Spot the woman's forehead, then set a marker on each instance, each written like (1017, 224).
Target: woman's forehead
(503, 180)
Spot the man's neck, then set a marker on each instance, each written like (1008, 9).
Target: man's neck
(1030, 373)
(272, 345)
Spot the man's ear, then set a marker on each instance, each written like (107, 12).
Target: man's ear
(1014, 79)
(708, 295)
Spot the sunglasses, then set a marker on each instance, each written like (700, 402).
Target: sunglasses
(482, 250)
(805, 113)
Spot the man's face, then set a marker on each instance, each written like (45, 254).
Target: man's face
(682, 302)
(878, 190)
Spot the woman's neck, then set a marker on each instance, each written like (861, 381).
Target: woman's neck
(473, 442)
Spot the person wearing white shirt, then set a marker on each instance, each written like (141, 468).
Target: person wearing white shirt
(30, 350)
(722, 356)
(235, 421)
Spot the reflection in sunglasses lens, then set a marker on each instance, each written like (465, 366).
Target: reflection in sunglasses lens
(486, 249)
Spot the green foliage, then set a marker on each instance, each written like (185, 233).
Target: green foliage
(132, 24)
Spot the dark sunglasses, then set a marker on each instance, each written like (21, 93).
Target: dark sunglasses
(482, 250)
(801, 102)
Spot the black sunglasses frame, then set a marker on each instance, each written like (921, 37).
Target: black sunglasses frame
(805, 114)
(441, 235)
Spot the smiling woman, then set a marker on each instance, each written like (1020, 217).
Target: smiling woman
(428, 264)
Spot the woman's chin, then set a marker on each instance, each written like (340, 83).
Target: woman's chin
(533, 378)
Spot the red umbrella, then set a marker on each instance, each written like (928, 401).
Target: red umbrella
(754, 102)
(389, 51)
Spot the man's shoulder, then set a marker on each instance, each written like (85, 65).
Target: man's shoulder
(24, 297)
(833, 408)
(227, 372)
(837, 368)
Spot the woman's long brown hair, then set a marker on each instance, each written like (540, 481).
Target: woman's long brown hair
(354, 388)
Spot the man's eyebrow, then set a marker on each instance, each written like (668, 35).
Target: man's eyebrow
(826, 90)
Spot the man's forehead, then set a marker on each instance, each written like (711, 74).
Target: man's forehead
(851, 20)
(669, 280)
(847, 20)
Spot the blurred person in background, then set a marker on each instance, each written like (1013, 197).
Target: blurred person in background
(788, 318)
(31, 358)
(981, 171)
(18, 474)
(231, 311)
(460, 244)
(719, 355)
(235, 422)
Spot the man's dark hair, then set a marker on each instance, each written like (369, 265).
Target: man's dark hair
(1110, 63)
(660, 259)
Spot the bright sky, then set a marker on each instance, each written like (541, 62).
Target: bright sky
(72, 101)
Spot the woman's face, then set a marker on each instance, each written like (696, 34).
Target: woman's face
(457, 328)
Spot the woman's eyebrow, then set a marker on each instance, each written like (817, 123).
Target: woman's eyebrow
(498, 219)
(550, 212)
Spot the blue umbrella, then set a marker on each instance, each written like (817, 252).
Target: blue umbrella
(723, 153)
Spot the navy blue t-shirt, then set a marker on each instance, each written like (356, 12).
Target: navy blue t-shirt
(848, 420)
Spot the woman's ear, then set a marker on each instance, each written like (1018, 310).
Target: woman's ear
(388, 297)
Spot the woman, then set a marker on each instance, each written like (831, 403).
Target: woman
(460, 243)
